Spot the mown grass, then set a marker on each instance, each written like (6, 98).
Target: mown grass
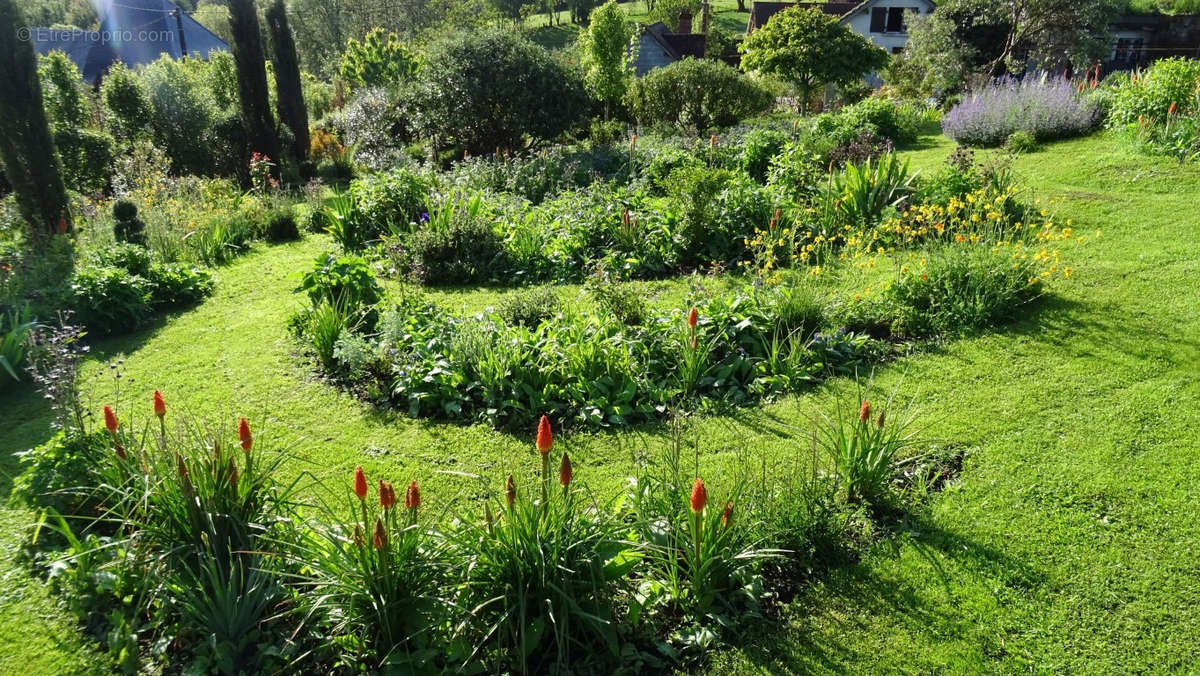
(1068, 543)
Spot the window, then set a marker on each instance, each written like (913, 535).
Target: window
(890, 19)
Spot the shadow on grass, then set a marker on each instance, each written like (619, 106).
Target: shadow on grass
(804, 647)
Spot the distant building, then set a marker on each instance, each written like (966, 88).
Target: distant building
(133, 32)
(883, 22)
(1140, 39)
(658, 46)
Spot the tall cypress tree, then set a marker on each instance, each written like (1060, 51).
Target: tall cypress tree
(288, 92)
(26, 147)
(252, 78)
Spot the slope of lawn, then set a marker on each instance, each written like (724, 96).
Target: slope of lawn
(1069, 543)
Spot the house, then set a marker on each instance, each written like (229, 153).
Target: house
(1140, 39)
(658, 46)
(131, 31)
(883, 22)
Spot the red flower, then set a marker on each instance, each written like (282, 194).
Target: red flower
(864, 411)
(1171, 110)
(244, 435)
(412, 496)
(380, 538)
(693, 318)
(699, 496)
(110, 420)
(545, 438)
(62, 225)
(510, 491)
(360, 483)
(387, 495)
(727, 515)
(160, 406)
(565, 471)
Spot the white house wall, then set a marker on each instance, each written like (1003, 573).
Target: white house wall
(860, 22)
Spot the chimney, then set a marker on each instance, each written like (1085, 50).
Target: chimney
(685, 22)
(704, 12)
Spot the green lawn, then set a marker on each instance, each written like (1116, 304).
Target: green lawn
(1071, 541)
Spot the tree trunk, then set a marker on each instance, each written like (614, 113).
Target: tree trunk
(252, 79)
(26, 147)
(288, 90)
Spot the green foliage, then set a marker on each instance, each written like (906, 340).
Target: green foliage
(26, 149)
(864, 193)
(16, 329)
(125, 288)
(716, 207)
(87, 157)
(61, 473)
(388, 201)
(127, 227)
(605, 53)
(1166, 83)
(529, 307)
(759, 149)
(253, 94)
(289, 88)
(962, 290)
(380, 60)
(810, 48)
(126, 102)
(863, 445)
(493, 89)
(668, 11)
(1021, 142)
(697, 94)
(346, 281)
(460, 249)
(281, 226)
(62, 91)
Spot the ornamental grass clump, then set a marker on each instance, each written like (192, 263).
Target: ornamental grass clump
(864, 444)
(1048, 108)
(378, 582)
(542, 568)
(201, 519)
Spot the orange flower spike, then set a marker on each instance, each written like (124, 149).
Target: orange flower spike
(879, 419)
(360, 483)
(693, 318)
(412, 497)
(699, 496)
(387, 495)
(565, 471)
(545, 437)
(160, 406)
(1171, 110)
(110, 420)
(510, 491)
(244, 435)
(380, 537)
(727, 515)
(864, 412)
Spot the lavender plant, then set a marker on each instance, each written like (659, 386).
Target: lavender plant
(1047, 108)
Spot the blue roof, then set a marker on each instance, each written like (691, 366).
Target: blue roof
(132, 31)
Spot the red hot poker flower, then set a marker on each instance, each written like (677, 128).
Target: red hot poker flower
(412, 496)
(160, 406)
(110, 420)
(244, 435)
(1171, 110)
(699, 496)
(565, 471)
(545, 438)
(727, 515)
(380, 538)
(693, 318)
(864, 412)
(360, 483)
(510, 491)
(387, 495)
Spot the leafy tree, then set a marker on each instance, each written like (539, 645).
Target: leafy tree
(289, 92)
(126, 101)
(581, 11)
(512, 9)
(811, 48)
(605, 47)
(698, 94)
(252, 78)
(380, 60)
(62, 91)
(492, 88)
(26, 148)
(965, 38)
(668, 11)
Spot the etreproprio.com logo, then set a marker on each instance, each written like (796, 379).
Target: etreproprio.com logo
(102, 37)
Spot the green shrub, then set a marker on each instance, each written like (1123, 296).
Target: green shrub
(61, 473)
(623, 301)
(759, 149)
(863, 193)
(797, 170)
(697, 94)
(281, 226)
(111, 300)
(127, 227)
(389, 201)
(126, 102)
(529, 307)
(1021, 142)
(717, 208)
(465, 250)
(87, 159)
(1149, 97)
(346, 281)
(177, 285)
(960, 290)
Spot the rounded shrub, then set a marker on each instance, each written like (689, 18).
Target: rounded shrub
(698, 94)
(281, 226)
(1021, 142)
